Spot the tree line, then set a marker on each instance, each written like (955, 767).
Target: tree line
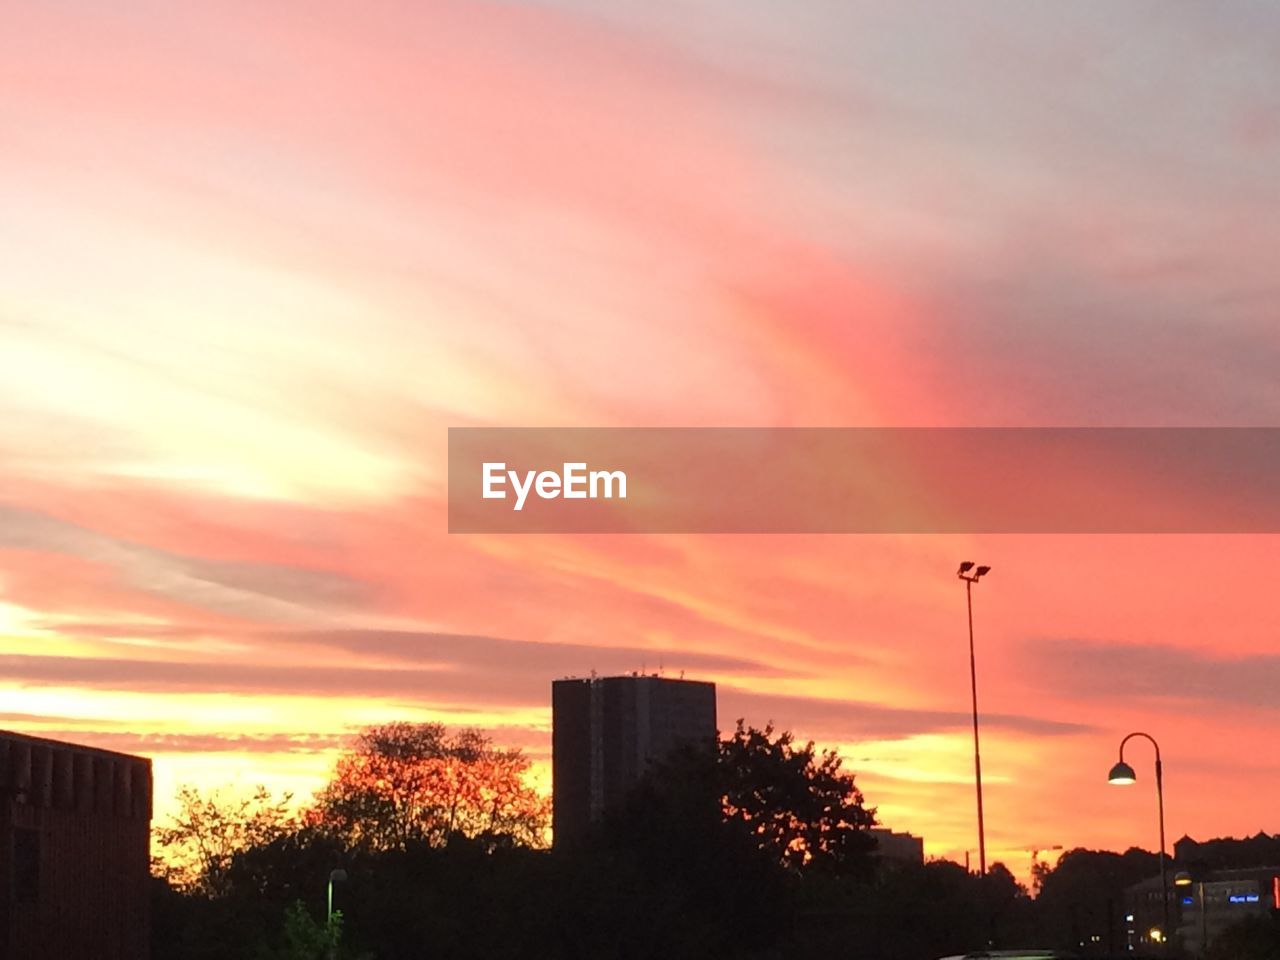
(755, 846)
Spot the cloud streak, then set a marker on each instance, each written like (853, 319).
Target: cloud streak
(853, 720)
(1159, 673)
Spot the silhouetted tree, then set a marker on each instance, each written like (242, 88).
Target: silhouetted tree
(1005, 906)
(415, 782)
(750, 848)
(208, 830)
(716, 852)
(1083, 896)
(797, 803)
(671, 876)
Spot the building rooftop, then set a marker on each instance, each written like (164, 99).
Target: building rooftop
(68, 745)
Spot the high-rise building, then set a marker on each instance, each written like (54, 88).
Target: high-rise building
(606, 730)
(75, 830)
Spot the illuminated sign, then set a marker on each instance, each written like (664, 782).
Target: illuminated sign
(1243, 898)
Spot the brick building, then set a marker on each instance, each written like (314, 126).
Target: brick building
(75, 827)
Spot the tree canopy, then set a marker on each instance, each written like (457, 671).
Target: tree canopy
(753, 847)
(405, 783)
(209, 830)
(796, 801)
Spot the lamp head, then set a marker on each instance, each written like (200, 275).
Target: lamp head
(1121, 774)
(981, 572)
(338, 876)
(1182, 879)
(966, 567)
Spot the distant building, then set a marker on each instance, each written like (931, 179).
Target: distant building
(1144, 912)
(1240, 877)
(1215, 899)
(899, 847)
(75, 826)
(604, 733)
(1225, 897)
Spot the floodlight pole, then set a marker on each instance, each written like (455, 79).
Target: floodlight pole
(969, 581)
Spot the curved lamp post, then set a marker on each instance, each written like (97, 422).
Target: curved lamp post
(969, 580)
(1122, 774)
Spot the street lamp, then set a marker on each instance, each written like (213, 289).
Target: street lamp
(969, 580)
(335, 876)
(1122, 774)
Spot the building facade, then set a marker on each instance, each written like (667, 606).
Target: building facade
(1215, 901)
(898, 847)
(75, 825)
(1204, 904)
(605, 732)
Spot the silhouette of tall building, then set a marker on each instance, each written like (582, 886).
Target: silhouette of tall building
(606, 730)
(75, 831)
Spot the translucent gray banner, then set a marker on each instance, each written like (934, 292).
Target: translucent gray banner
(864, 480)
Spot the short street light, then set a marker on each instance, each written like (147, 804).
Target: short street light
(335, 876)
(1122, 774)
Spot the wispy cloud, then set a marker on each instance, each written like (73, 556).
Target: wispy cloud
(1162, 674)
(854, 720)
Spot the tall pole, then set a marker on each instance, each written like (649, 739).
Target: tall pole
(1123, 773)
(977, 753)
(1164, 888)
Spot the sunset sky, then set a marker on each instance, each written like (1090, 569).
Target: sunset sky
(255, 260)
